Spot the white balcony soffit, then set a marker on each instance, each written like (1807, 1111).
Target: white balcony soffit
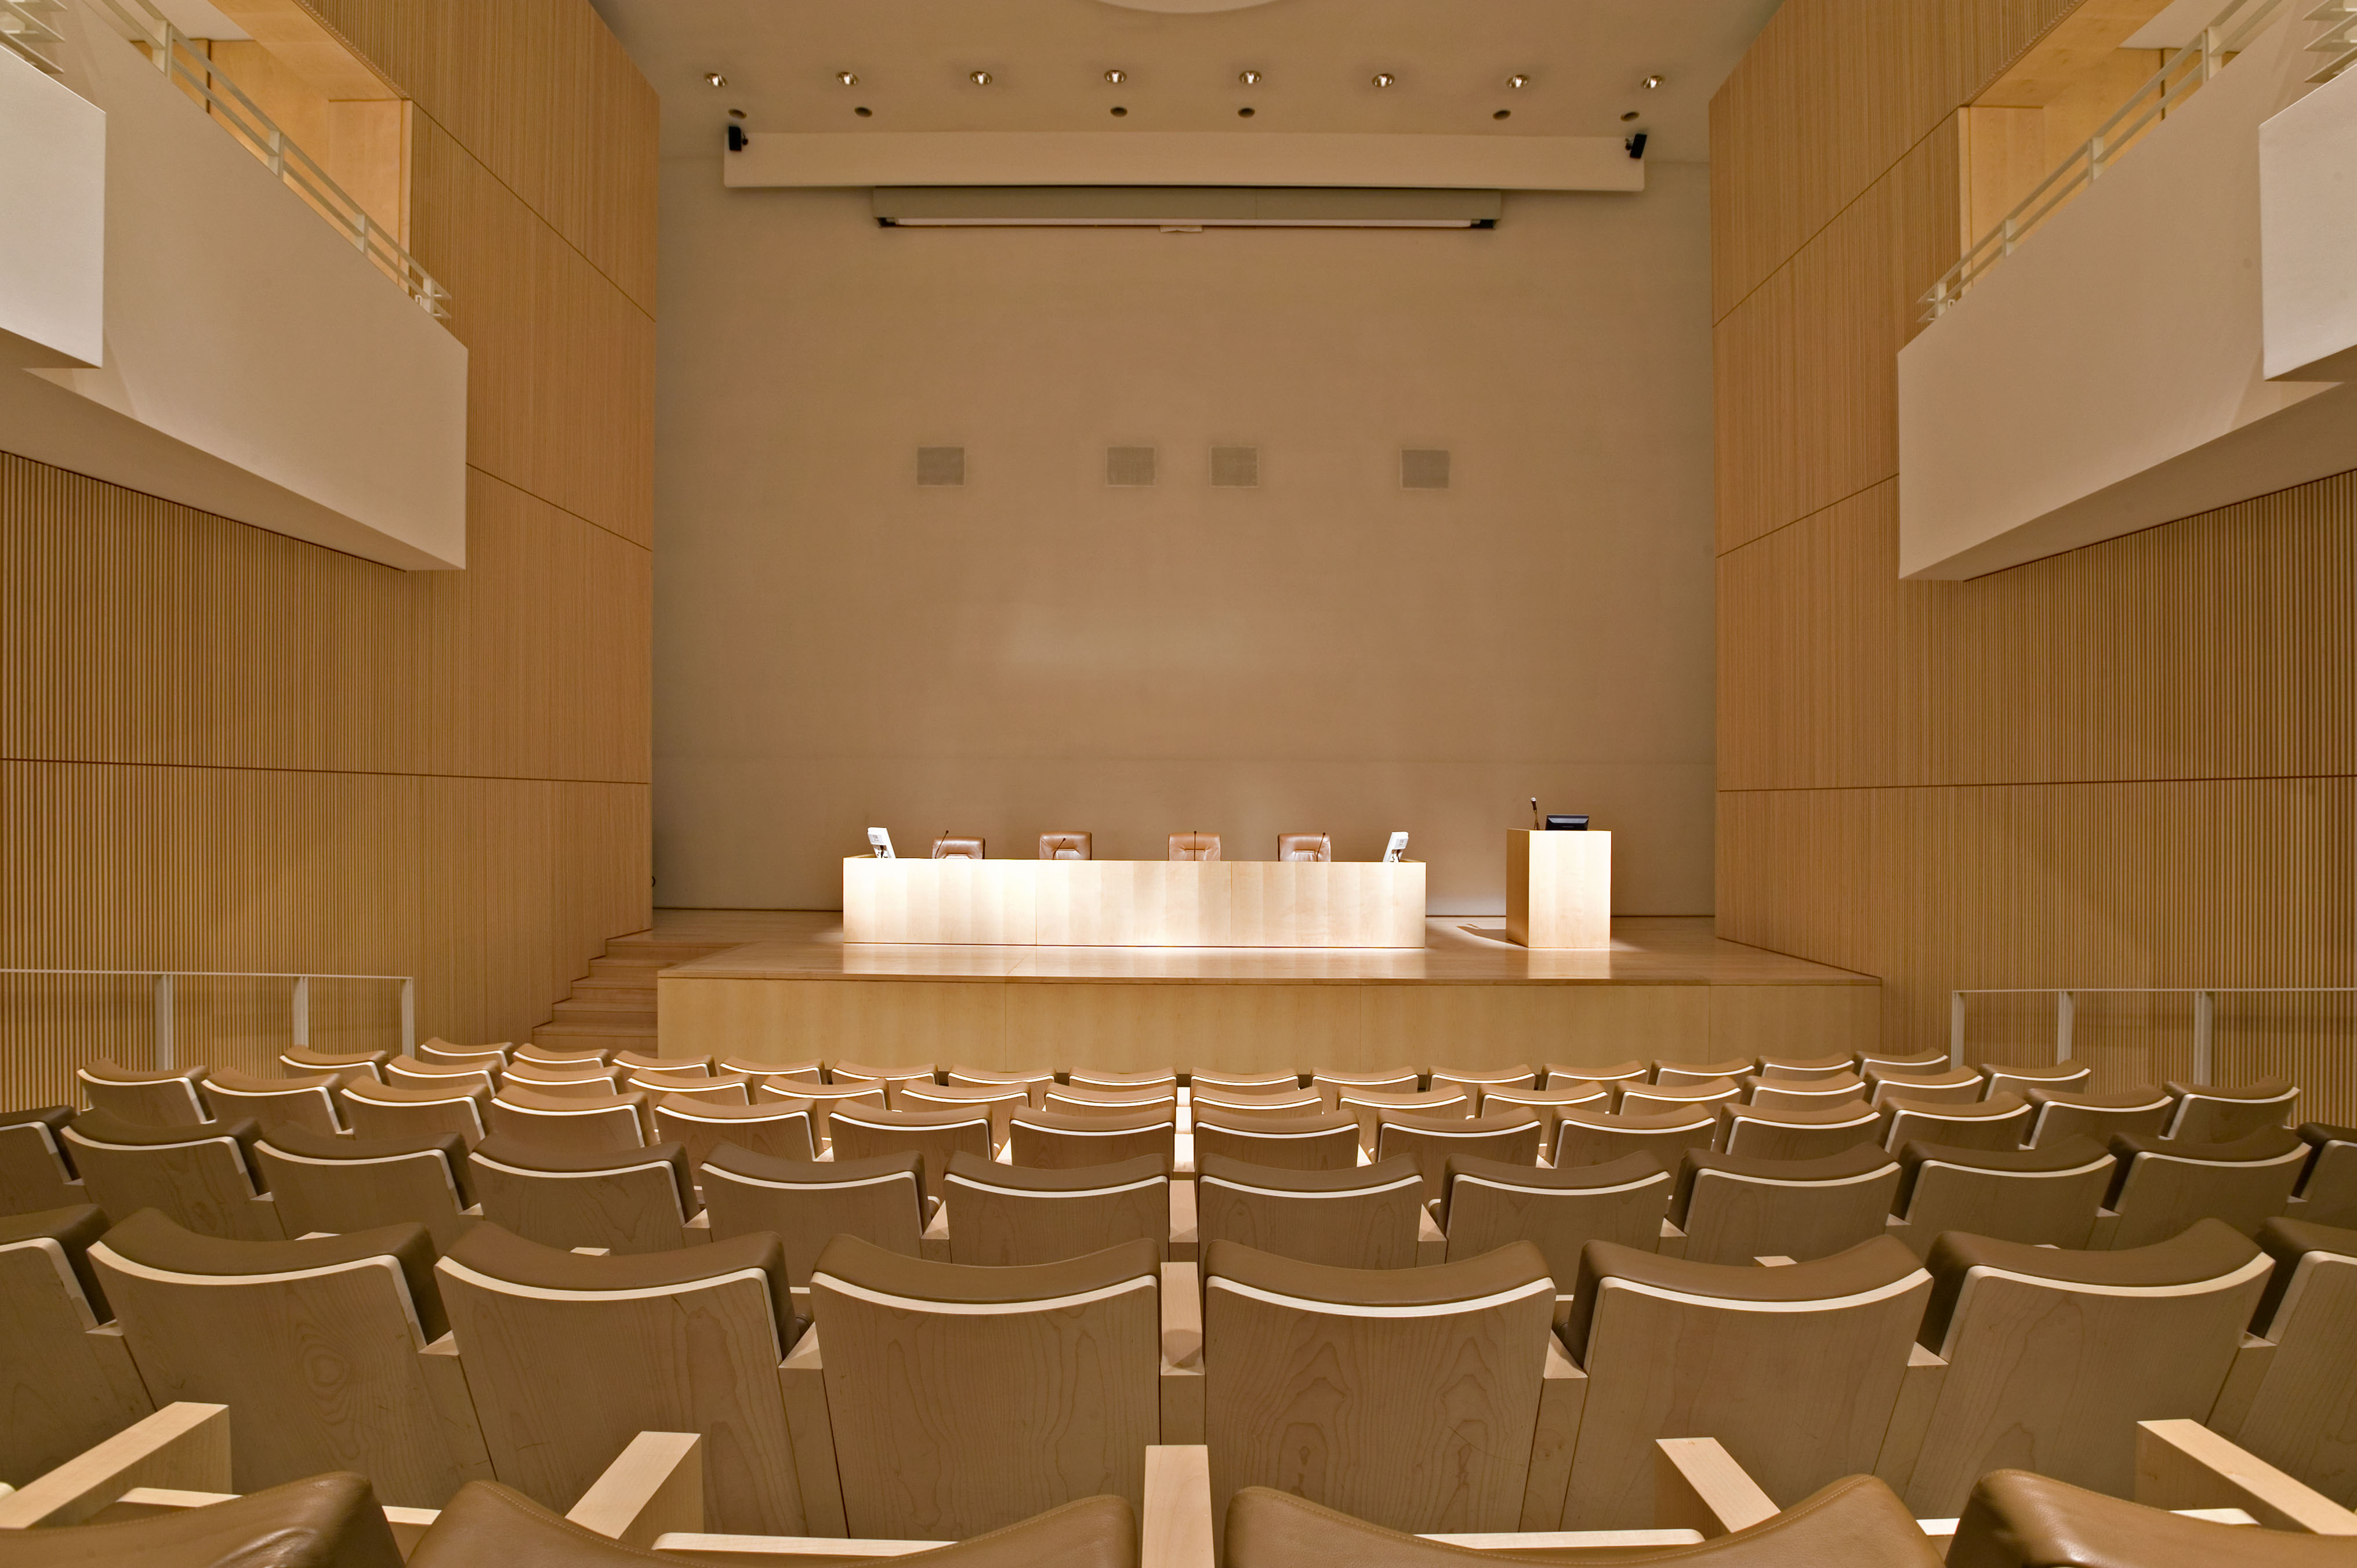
(2307, 226)
(53, 244)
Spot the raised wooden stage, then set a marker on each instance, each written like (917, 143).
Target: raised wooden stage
(1468, 997)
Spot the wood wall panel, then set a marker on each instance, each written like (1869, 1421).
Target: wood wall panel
(2132, 765)
(223, 748)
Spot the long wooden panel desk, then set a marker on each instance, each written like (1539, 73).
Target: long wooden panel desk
(1135, 903)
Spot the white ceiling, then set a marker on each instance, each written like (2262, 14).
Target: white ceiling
(1586, 60)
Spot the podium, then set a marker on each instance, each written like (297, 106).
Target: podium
(1559, 889)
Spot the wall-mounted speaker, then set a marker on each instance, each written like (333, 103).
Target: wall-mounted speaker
(1129, 465)
(1424, 469)
(940, 464)
(1235, 466)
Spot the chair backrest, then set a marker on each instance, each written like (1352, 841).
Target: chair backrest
(1630, 1071)
(1959, 1086)
(862, 1132)
(2046, 1194)
(1733, 1069)
(2162, 1186)
(805, 1204)
(1003, 1215)
(383, 1111)
(1768, 1133)
(2067, 1113)
(1280, 1103)
(810, 1071)
(200, 1176)
(1478, 1081)
(1384, 1081)
(307, 1101)
(624, 1200)
(1597, 1138)
(638, 1061)
(822, 1100)
(2303, 1419)
(996, 1103)
(2328, 1189)
(535, 1326)
(2053, 1356)
(1902, 1061)
(563, 1055)
(954, 847)
(1034, 1083)
(1795, 1370)
(577, 1078)
(1075, 1099)
(1107, 1079)
(1047, 1386)
(1328, 1140)
(583, 1123)
(64, 1388)
(1544, 1103)
(301, 1061)
(1057, 1140)
(411, 1072)
(736, 1089)
(34, 1175)
(2000, 1122)
(1267, 1082)
(1653, 1099)
(777, 1129)
(340, 1184)
(313, 1346)
(1489, 1204)
(1327, 1382)
(1734, 1208)
(853, 1073)
(1803, 1093)
(2072, 1076)
(1194, 846)
(1370, 1104)
(2214, 1114)
(1304, 846)
(1799, 1069)
(441, 1051)
(166, 1098)
(1063, 846)
(1363, 1217)
(1509, 1137)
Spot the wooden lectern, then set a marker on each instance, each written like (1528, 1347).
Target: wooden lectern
(1559, 889)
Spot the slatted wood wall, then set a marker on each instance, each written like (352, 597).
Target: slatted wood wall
(225, 749)
(2133, 765)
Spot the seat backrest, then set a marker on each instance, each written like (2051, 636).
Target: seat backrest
(2303, 1419)
(441, 1051)
(1328, 1140)
(1304, 846)
(166, 1098)
(997, 1103)
(33, 1176)
(1034, 1083)
(65, 1388)
(1049, 1359)
(1269, 1081)
(413, 1072)
(1597, 1138)
(1902, 1061)
(1325, 1382)
(301, 1061)
(1384, 1081)
(1544, 1103)
(1799, 1069)
(1163, 1078)
(1280, 1103)
(822, 1100)
(309, 1101)
(1509, 1137)
(780, 1129)
(955, 847)
(1958, 1086)
(625, 1200)
(853, 1073)
(2053, 1356)
(2000, 1122)
(1078, 1100)
(735, 1089)
(1832, 1090)
(1489, 1204)
(1653, 1099)
(2067, 1113)
(203, 1177)
(313, 1345)
(383, 1111)
(641, 1062)
(862, 1132)
(1057, 1140)
(810, 1071)
(582, 1124)
(1630, 1071)
(2016, 1519)
(1769, 1132)
(1362, 1216)
(1063, 846)
(563, 1056)
(2213, 1113)
(2164, 1185)
(339, 1184)
(1370, 1104)
(333, 1520)
(1669, 1074)
(806, 1203)
(536, 1326)
(1001, 1216)
(2072, 1076)
(1734, 1208)
(1194, 846)
(1476, 1082)
(583, 1078)
(2047, 1195)
(2328, 1189)
(1796, 1370)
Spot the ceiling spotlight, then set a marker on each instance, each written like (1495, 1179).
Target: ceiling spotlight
(1518, 80)
(849, 78)
(1116, 76)
(979, 78)
(1629, 116)
(1653, 81)
(714, 79)
(1249, 77)
(736, 113)
(1384, 79)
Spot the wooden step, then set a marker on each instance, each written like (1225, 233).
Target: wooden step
(602, 1014)
(638, 994)
(582, 1036)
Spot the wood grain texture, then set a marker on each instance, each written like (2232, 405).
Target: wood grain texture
(2303, 1418)
(65, 1384)
(1002, 1227)
(181, 1446)
(1372, 1226)
(1733, 1219)
(203, 1185)
(804, 1216)
(632, 1208)
(2046, 1207)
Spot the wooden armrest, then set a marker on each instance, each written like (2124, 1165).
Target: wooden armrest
(1177, 1530)
(182, 1448)
(700, 1228)
(802, 1377)
(1697, 1484)
(1182, 1314)
(1773, 1260)
(1563, 1399)
(1673, 1241)
(1431, 1242)
(595, 1251)
(1911, 1418)
(2184, 1465)
(934, 1242)
(1186, 1226)
(2253, 1357)
(655, 1484)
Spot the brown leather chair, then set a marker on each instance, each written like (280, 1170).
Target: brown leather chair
(2328, 1187)
(2017, 1520)
(1063, 846)
(947, 848)
(324, 1521)
(2303, 1419)
(1194, 846)
(34, 1175)
(1304, 846)
(2214, 1114)
(2047, 1196)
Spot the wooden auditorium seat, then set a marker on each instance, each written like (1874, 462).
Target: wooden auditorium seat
(34, 1177)
(383, 1111)
(562, 1056)
(877, 1076)
(309, 1101)
(2302, 1416)
(1630, 1071)
(1768, 1133)
(1596, 1138)
(1795, 1370)
(2328, 1187)
(411, 1072)
(2000, 1122)
(1075, 1101)
(201, 1177)
(2017, 1520)
(167, 1099)
(64, 1384)
(582, 1124)
(324, 1183)
(618, 1200)
(1488, 1203)
(541, 1335)
(301, 1061)
(807, 1203)
(331, 1520)
(1547, 1104)
(1828, 1091)
(1325, 1142)
(1902, 1061)
(1360, 1217)
(1664, 1099)
(821, 1098)
(1244, 1082)
(1478, 1081)
(1734, 1208)
(1106, 1079)
(2047, 1197)
(862, 1132)
(2052, 1357)
(314, 1346)
(1671, 1074)
(1280, 1103)
(1033, 1084)
(1510, 1137)
(1002, 1216)
(1058, 1140)
(1954, 1086)
(716, 1088)
(2212, 1113)
(1840, 1064)
(648, 1061)
(442, 1053)
(2067, 1077)
(1370, 1104)
(779, 1129)
(577, 1078)
(1045, 1386)
(811, 1071)
(1332, 1082)
(2070, 1113)
(2164, 1185)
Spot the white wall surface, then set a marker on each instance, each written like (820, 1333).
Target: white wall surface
(2307, 221)
(52, 220)
(1037, 651)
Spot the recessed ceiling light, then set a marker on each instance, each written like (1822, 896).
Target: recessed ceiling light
(979, 78)
(1629, 116)
(862, 112)
(849, 78)
(1245, 112)
(736, 113)
(1518, 80)
(1384, 79)
(1653, 81)
(714, 79)
(1116, 76)
(1118, 111)
(1502, 114)
(1249, 77)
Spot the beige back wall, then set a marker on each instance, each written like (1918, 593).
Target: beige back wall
(1037, 651)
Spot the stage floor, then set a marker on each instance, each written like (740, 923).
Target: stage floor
(789, 987)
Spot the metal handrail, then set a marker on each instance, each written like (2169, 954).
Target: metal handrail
(2066, 1008)
(163, 1003)
(22, 30)
(247, 121)
(2184, 70)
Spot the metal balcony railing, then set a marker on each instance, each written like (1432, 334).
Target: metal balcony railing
(299, 1001)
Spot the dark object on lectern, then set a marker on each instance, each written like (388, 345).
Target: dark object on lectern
(736, 138)
(1637, 146)
(1566, 824)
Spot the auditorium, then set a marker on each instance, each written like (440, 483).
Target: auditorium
(1177, 783)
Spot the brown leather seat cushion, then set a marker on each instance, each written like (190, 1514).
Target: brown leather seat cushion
(73, 1229)
(523, 1153)
(503, 1254)
(981, 1172)
(2287, 1242)
(2204, 1251)
(2068, 1154)
(1857, 1522)
(1868, 1266)
(2016, 1520)
(1271, 1178)
(1858, 1160)
(870, 1267)
(327, 1521)
(312, 1144)
(147, 1238)
(1512, 1267)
